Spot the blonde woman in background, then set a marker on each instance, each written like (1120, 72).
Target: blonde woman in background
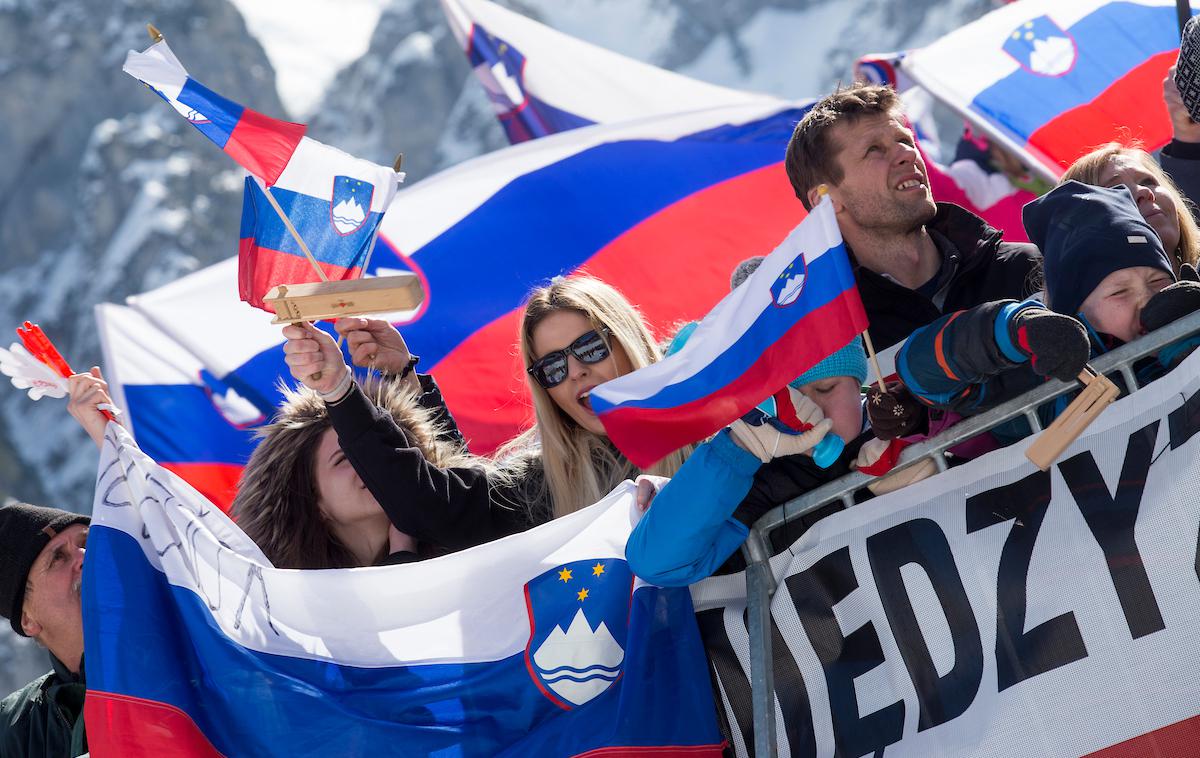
(1158, 198)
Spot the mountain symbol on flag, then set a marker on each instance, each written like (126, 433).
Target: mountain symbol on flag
(580, 663)
(790, 283)
(350, 203)
(1042, 47)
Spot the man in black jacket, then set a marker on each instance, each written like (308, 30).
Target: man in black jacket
(914, 259)
(41, 564)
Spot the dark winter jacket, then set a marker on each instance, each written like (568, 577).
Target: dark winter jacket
(431, 399)
(1181, 161)
(453, 508)
(698, 520)
(983, 267)
(966, 362)
(44, 719)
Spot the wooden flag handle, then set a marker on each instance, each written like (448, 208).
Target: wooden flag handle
(873, 358)
(1098, 393)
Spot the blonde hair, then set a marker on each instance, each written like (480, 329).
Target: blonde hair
(579, 466)
(277, 501)
(1091, 168)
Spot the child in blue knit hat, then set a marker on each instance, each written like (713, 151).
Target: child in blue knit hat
(704, 513)
(1108, 280)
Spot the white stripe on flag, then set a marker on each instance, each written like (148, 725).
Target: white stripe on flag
(588, 80)
(158, 67)
(313, 165)
(233, 331)
(461, 608)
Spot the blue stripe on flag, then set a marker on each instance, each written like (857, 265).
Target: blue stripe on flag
(177, 423)
(222, 114)
(313, 221)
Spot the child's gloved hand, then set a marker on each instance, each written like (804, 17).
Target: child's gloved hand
(894, 413)
(762, 435)
(1057, 345)
(1171, 304)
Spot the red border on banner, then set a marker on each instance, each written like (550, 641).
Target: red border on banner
(1178, 740)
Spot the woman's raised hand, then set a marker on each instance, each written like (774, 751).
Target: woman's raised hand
(313, 357)
(89, 391)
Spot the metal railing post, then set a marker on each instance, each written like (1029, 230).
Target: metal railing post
(760, 585)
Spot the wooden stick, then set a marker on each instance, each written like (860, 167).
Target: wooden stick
(874, 358)
(155, 35)
(295, 234)
(316, 376)
(1098, 393)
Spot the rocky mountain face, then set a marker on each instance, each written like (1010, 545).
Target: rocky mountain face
(105, 192)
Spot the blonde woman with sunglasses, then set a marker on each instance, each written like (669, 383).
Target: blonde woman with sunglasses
(575, 334)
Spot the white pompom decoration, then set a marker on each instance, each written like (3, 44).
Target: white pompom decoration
(28, 373)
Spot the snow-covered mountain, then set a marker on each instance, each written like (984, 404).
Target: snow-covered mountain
(105, 192)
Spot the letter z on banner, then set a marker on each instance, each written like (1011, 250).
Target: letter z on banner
(994, 610)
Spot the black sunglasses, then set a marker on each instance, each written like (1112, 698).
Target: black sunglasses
(551, 369)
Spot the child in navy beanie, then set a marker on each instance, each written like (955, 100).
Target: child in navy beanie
(1115, 277)
(1103, 263)
(1092, 235)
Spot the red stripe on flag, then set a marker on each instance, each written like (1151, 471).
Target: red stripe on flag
(216, 481)
(646, 435)
(131, 727)
(1178, 740)
(261, 268)
(263, 144)
(1132, 107)
(687, 250)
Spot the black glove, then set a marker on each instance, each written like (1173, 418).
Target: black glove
(894, 413)
(1057, 345)
(1171, 303)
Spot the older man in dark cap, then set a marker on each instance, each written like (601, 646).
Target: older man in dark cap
(41, 565)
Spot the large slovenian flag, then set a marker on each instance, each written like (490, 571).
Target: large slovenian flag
(539, 644)
(798, 307)
(333, 201)
(1052, 79)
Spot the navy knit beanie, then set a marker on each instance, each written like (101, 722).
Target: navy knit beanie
(24, 530)
(1085, 233)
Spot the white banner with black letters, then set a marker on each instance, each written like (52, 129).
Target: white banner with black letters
(994, 610)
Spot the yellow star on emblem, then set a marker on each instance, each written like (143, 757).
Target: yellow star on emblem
(598, 569)
(565, 575)
(583, 594)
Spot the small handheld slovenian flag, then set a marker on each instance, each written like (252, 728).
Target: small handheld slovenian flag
(798, 307)
(333, 200)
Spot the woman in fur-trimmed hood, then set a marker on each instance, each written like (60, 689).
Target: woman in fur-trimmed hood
(303, 503)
